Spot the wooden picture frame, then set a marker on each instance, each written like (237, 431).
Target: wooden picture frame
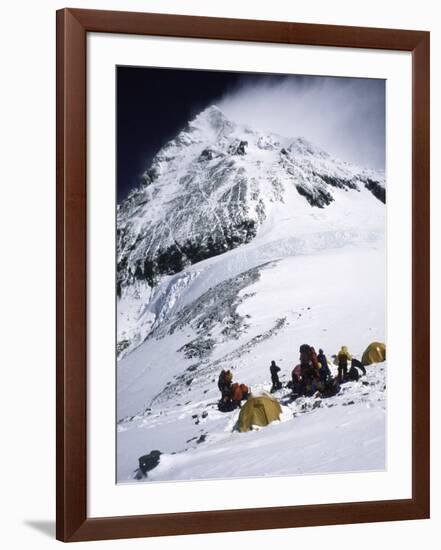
(73, 524)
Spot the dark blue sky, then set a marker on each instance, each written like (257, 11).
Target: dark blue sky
(345, 116)
(153, 105)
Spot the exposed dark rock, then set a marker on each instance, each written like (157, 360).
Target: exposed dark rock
(121, 346)
(176, 257)
(208, 154)
(376, 189)
(340, 183)
(315, 196)
(149, 461)
(238, 147)
(199, 348)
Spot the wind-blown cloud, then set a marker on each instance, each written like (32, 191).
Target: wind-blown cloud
(344, 116)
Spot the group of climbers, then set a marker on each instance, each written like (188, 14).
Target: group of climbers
(311, 376)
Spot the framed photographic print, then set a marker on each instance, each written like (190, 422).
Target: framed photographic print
(242, 274)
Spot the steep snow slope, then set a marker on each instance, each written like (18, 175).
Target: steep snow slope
(340, 434)
(166, 385)
(303, 271)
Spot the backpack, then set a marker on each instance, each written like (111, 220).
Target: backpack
(353, 374)
(297, 372)
(236, 392)
(314, 359)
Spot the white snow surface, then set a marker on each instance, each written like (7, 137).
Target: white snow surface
(309, 275)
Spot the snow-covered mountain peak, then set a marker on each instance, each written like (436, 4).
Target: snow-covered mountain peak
(212, 119)
(301, 146)
(219, 185)
(209, 127)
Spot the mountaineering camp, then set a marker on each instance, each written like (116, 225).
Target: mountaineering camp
(250, 277)
(311, 377)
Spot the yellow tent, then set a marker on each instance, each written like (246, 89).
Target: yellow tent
(374, 353)
(258, 411)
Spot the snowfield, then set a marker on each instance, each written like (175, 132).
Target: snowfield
(341, 435)
(345, 433)
(306, 273)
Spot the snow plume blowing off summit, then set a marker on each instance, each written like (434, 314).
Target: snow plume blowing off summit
(344, 116)
(241, 244)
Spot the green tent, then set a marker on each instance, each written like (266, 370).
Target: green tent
(259, 411)
(374, 353)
